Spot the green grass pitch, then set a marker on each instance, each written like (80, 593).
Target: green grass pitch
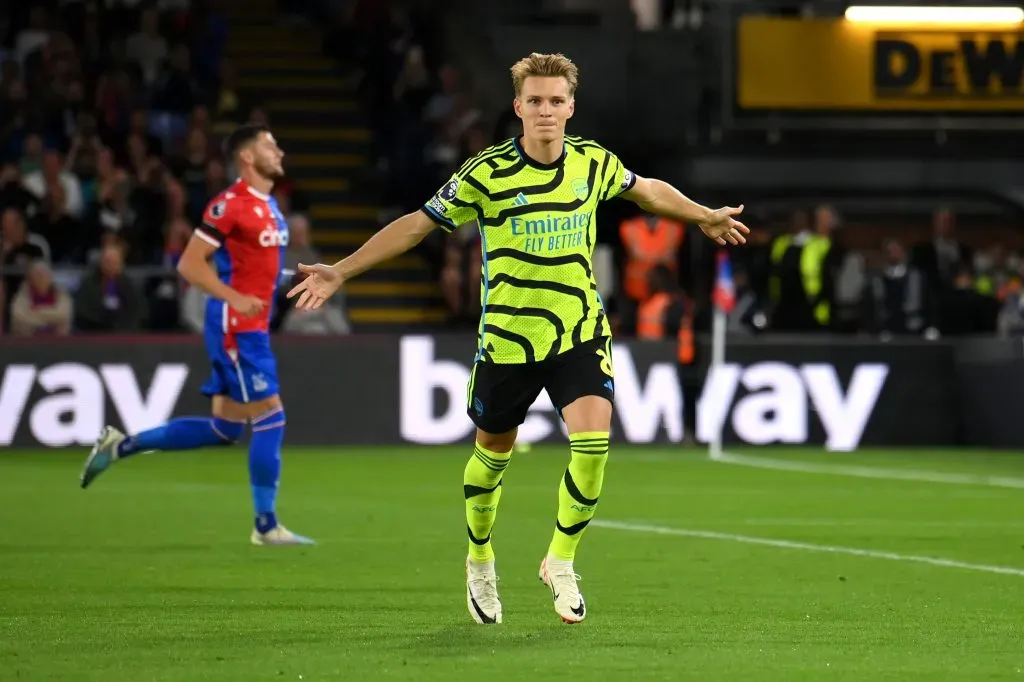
(148, 575)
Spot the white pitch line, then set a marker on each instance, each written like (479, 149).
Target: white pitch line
(869, 472)
(805, 546)
(858, 523)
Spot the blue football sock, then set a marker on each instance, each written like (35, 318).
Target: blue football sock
(186, 433)
(265, 465)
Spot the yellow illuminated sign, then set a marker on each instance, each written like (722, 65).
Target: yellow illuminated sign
(829, 64)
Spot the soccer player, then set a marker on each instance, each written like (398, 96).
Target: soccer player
(543, 325)
(245, 234)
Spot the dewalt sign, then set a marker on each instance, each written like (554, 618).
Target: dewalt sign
(827, 64)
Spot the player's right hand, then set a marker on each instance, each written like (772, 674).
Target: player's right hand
(247, 306)
(321, 282)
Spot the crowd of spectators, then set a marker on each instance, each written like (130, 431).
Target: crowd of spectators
(112, 116)
(108, 154)
(425, 123)
(905, 284)
(111, 119)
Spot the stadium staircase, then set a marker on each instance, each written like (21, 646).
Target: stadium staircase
(319, 121)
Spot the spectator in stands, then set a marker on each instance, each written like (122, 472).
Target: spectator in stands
(84, 154)
(177, 91)
(208, 29)
(147, 47)
(10, 78)
(993, 274)
(13, 192)
(965, 311)
(899, 300)
(165, 293)
(453, 275)
(32, 155)
(55, 223)
(40, 308)
(804, 265)
(92, 46)
(1011, 314)
(18, 250)
(199, 119)
(228, 106)
(177, 235)
(149, 198)
(748, 315)
(259, 116)
(107, 299)
(940, 259)
(114, 101)
(52, 177)
(14, 122)
(20, 247)
(140, 142)
(34, 37)
(647, 242)
(442, 102)
(850, 283)
(300, 246)
(669, 314)
(216, 179)
(177, 203)
(191, 171)
(331, 317)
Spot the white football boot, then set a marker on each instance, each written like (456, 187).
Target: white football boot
(103, 454)
(279, 535)
(559, 575)
(482, 599)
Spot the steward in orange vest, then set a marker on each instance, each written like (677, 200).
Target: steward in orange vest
(669, 313)
(665, 313)
(649, 242)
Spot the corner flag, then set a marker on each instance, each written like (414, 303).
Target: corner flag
(724, 293)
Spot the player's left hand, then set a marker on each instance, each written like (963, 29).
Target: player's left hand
(723, 228)
(321, 282)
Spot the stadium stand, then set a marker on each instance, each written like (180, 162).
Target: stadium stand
(113, 115)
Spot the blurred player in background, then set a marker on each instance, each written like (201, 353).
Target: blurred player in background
(245, 234)
(543, 325)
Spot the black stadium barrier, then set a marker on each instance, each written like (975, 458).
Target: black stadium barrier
(392, 390)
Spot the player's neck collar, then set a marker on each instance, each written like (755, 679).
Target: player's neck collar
(518, 142)
(252, 190)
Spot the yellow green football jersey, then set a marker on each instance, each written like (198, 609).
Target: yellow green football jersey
(537, 226)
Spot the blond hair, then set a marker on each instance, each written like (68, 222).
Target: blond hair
(545, 65)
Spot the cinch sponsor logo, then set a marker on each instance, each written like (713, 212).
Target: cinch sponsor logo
(271, 237)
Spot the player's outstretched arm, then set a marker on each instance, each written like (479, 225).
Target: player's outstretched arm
(195, 267)
(322, 281)
(661, 198)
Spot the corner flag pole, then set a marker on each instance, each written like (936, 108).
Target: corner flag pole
(718, 325)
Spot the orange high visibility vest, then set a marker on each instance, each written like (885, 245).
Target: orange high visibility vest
(651, 325)
(647, 247)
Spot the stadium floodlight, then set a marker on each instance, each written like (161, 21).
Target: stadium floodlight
(994, 16)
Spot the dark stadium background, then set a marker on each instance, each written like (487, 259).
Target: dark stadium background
(863, 521)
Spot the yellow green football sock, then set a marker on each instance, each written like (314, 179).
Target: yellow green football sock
(579, 490)
(481, 483)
